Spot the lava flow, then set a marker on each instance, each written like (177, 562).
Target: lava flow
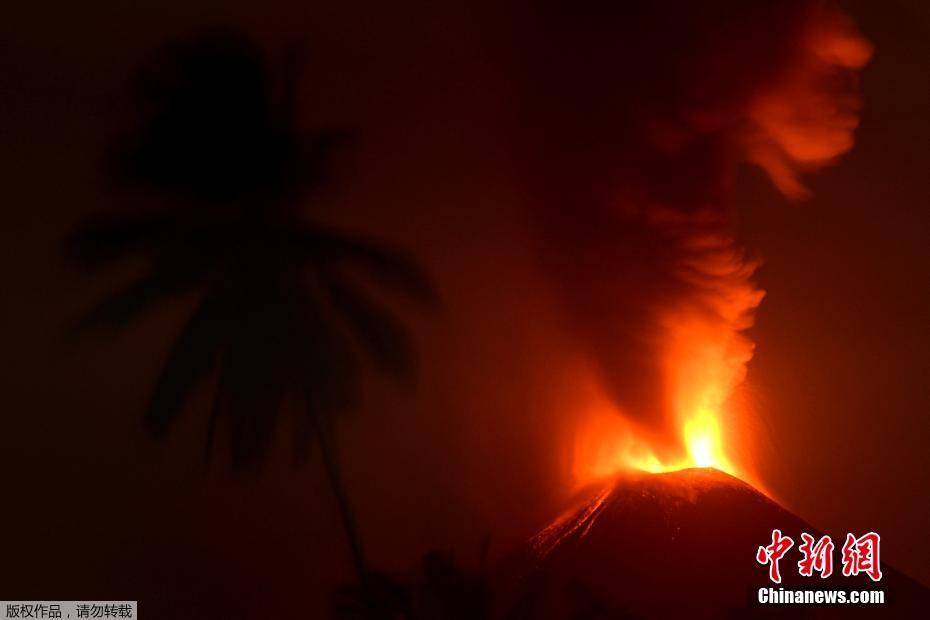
(667, 546)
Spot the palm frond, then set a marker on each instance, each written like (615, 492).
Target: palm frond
(380, 334)
(322, 357)
(251, 401)
(112, 237)
(251, 383)
(385, 265)
(191, 359)
(280, 342)
(118, 309)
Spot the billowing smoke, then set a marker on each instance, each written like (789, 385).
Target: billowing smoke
(637, 117)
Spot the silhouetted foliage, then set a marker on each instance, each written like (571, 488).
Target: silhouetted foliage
(217, 129)
(283, 308)
(442, 590)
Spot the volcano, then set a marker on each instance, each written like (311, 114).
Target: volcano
(679, 544)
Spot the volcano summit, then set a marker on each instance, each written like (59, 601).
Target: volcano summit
(678, 544)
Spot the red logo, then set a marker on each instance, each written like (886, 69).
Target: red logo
(860, 555)
(773, 553)
(817, 556)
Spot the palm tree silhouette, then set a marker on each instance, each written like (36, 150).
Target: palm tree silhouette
(281, 310)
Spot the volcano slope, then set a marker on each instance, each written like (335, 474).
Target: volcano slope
(678, 545)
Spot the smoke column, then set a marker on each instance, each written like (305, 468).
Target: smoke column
(637, 117)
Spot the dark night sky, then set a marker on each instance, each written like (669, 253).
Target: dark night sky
(842, 357)
(93, 508)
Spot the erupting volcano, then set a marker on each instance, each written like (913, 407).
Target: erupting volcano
(465, 309)
(641, 242)
(704, 368)
(637, 215)
(670, 545)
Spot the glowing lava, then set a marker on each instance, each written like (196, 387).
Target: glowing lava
(684, 291)
(703, 444)
(608, 443)
(704, 353)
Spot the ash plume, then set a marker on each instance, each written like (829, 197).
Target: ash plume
(637, 116)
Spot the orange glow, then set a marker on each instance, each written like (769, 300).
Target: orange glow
(610, 444)
(802, 120)
(704, 364)
(807, 119)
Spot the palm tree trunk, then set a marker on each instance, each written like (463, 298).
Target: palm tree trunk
(326, 438)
